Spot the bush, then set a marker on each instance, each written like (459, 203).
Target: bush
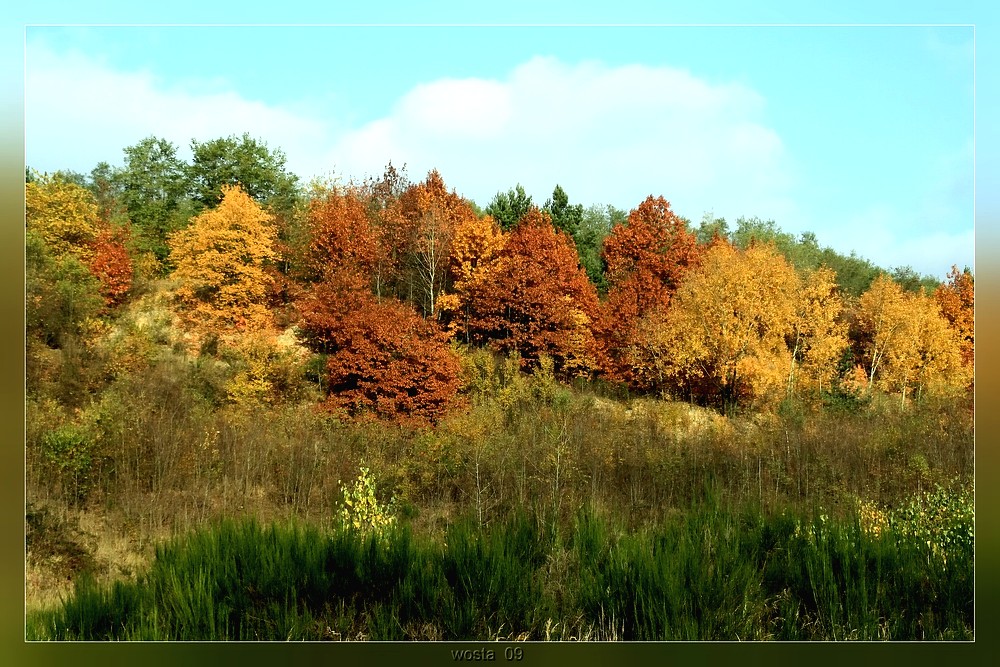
(69, 450)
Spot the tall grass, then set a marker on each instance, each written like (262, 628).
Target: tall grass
(713, 572)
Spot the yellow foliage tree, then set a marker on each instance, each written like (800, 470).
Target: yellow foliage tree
(64, 214)
(881, 322)
(818, 335)
(724, 335)
(220, 259)
(907, 345)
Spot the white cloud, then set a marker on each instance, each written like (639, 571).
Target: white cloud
(78, 112)
(605, 134)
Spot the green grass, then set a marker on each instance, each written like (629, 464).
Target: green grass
(712, 573)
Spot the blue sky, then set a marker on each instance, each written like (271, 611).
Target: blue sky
(863, 135)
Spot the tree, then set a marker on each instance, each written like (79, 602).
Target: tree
(432, 213)
(818, 336)
(60, 293)
(854, 274)
(383, 358)
(956, 299)
(904, 342)
(595, 225)
(154, 186)
(880, 325)
(62, 213)
(475, 247)
(341, 236)
(535, 299)
(390, 227)
(710, 228)
(106, 187)
(911, 281)
(646, 259)
(507, 208)
(111, 264)
(724, 334)
(220, 259)
(565, 217)
(246, 162)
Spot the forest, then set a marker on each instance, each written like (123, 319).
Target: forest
(258, 408)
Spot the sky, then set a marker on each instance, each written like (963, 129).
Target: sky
(864, 135)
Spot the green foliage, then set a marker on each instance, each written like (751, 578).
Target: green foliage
(61, 294)
(595, 225)
(565, 217)
(911, 281)
(246, 162)
(944, 519)
(153, 188)
(710, 227)
(507, 208)
(713, 573)
(70, 453)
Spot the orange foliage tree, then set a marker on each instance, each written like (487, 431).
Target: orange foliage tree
(220, 263)
(956, 299)
(390, 228)
(341, 236)
(646, 260)
(383, 358)
(475, 246)
(534, 298)
(432, 214)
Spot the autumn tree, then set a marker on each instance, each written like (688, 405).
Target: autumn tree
(646, 259)
(341, 236)
(881, 324)
(390, 227)
(62, 213)
(534, 298)
(956, 299)
(111, 264)
(818, 335)
(432, 213)
(904, 342)
(724, 334)
(475, 247)
(383, 358)
(220, 263)
(932, 361)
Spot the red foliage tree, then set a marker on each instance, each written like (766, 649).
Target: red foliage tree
(646, 260)
(110, 262)
(384, 359)
(536, 299)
